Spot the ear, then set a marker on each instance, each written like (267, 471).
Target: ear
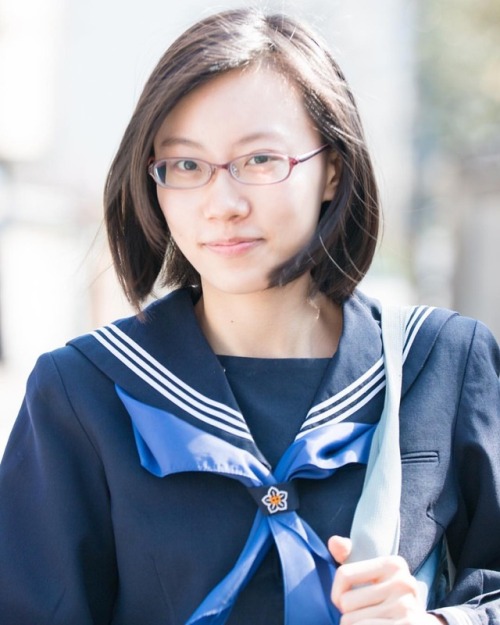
(333, 171)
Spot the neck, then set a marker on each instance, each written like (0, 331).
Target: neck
(282, 322)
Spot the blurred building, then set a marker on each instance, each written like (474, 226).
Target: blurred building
(456, 207)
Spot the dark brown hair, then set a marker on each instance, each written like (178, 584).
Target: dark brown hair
(343, 245)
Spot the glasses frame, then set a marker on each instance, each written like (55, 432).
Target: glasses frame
(293, 161)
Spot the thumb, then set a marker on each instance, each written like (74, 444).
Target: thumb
(340, 547)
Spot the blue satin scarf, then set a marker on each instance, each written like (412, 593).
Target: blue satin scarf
(168, 445)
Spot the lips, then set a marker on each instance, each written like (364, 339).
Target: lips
(232, 247)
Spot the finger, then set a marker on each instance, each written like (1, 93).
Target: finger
(403, 610)
(340, 547)
(372, 571)
(356, 575)
(399, 590)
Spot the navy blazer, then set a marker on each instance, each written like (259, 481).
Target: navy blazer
(89, 537)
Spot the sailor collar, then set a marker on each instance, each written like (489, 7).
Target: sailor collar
(163, 360)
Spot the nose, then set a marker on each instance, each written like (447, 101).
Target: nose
(225, 198)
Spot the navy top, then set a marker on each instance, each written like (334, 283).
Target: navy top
(274, 395)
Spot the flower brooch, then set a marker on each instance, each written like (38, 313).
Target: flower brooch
(276, 498)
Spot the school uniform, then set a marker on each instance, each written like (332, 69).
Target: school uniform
(128, 486)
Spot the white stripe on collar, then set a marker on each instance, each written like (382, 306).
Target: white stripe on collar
(334, 409)
(417, 317)
(356, 396)
(362, 390)
(170, 386)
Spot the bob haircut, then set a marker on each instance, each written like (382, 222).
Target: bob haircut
(341, 250)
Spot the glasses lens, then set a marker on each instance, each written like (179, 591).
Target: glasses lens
(160, 172)
(261, 168)
(182, 173)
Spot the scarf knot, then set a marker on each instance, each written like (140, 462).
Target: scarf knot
(276, 499)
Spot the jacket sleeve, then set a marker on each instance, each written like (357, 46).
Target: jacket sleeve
(57, 562)
(474, 535)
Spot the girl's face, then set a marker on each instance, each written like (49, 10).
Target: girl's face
(235, 234)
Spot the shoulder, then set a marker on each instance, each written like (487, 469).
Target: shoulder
(440, 337)
(68, 393)
(470, 339)
(449, 325)
(62, 374)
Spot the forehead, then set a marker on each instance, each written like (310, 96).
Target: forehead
(251, 102)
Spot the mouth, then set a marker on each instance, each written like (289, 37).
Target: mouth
(232, 247)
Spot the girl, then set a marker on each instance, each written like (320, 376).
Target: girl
(191, 464)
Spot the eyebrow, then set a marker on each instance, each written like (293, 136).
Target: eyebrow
(254, 136)
(179, 141)
(263, 134)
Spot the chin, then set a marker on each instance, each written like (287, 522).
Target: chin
(236, 287)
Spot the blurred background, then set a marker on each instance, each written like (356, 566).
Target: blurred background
(426, 74)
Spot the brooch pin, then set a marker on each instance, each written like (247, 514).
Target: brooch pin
(275, 500)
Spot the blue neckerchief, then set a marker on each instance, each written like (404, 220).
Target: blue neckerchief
(168, 445)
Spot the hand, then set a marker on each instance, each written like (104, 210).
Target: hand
(378, 591)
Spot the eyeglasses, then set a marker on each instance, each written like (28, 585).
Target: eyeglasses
(257, 168)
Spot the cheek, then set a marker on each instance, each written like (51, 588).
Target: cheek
(162, 203)
(172, 211)
(303, 206)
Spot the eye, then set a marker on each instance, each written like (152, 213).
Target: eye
(187, 165)
(260, 159)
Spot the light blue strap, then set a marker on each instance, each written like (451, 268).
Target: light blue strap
(375, 527)
(376, 524)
